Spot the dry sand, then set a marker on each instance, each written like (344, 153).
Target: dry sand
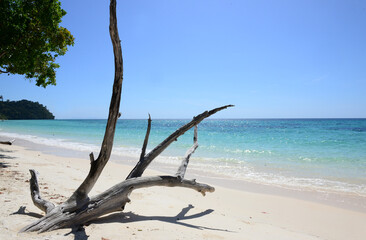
(163, 213)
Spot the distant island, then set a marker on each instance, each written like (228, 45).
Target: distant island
(23, 109)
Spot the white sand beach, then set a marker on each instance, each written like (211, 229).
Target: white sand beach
(163, 213)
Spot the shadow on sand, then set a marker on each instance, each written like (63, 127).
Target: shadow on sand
(80, 234)
(181, 216)
(2, 156)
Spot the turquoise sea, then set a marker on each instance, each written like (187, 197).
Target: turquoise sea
(315, 154)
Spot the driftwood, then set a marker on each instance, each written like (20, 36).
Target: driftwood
(80, 209)
(42, 204)
(79, 212)
(7, 142)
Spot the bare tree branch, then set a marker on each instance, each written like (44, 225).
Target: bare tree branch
(7, 142)
(79, 209)
(97, 166)
(143, 164)
(143, 151)
(146, 140)
(183, 166)
(91, 157)
(112, 200)
(42, 204)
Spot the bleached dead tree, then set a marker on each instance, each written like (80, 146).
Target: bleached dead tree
(80, 208)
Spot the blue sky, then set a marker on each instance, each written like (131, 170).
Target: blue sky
(272, 59)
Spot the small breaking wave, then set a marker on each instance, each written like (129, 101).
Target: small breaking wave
(226, 167)
(233, 168)
(71, 145)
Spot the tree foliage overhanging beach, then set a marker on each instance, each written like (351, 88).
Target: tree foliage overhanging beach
(31, 39)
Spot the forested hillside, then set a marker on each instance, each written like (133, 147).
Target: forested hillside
(24, 109)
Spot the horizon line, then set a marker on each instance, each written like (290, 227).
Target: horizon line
(262, 118)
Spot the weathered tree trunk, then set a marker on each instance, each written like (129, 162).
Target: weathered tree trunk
(96, 166)
(80, 209)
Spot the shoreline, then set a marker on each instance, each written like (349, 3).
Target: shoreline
(347, 201)
(320, 157)
(152, 214)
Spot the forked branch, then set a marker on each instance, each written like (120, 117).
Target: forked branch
(80, 209)
(145, 162)
(112, 200)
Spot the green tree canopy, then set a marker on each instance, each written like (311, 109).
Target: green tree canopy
(31, 38)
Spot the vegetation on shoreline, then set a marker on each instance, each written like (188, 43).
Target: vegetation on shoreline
(24, 109)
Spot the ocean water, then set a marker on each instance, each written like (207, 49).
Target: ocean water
(327, 155)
